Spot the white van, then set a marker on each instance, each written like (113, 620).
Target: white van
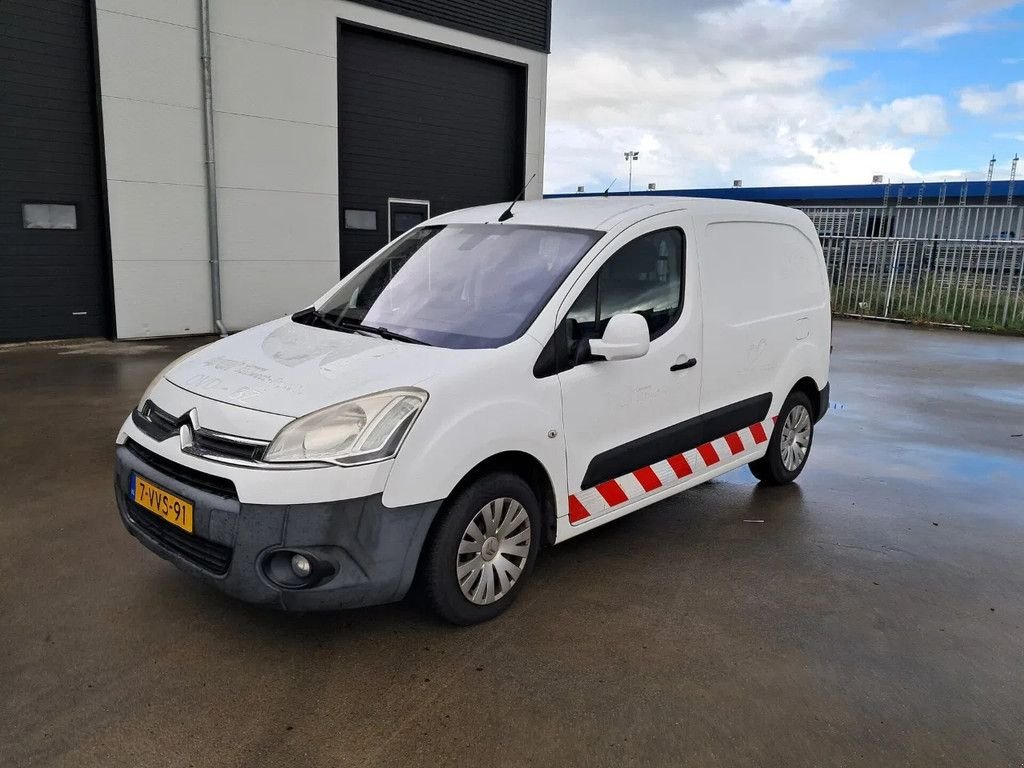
(484, 385)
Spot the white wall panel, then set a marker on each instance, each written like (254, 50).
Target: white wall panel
(162, 298)
(158, 222)
(256, 291)
(149, 60)
(153, 142)
(270, 81)
(183, 12)
(305, 26)
(534, 165)
(258, 153)
(257, 225)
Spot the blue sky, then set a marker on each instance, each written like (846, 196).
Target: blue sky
(990, 56)
(783, 91)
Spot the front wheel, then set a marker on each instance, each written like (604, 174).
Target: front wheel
(790, 444)
(482, 550)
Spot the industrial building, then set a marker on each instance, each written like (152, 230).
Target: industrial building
(998, 192)
(176, 168)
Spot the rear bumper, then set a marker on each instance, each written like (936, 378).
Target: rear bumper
(371, 550)
(823, 402)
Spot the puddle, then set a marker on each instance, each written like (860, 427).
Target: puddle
(1013, 396)
(113, 349)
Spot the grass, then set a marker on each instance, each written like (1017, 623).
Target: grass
(931, 301)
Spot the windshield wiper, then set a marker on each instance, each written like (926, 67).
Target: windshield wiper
(384, 333)
(312, 317)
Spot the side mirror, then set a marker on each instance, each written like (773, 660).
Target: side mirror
(626, 337)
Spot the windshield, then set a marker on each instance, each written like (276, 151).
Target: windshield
(464, 286)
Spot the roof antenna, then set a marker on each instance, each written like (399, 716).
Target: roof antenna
(610, 186)
(508, 211)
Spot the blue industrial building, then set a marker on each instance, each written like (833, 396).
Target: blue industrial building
(842, 194)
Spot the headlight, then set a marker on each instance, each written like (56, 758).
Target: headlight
(163, 372)
(360, 431)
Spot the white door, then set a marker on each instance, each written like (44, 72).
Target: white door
(626, 423)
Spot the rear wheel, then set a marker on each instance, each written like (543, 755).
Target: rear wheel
(790, 444)
(483, 549)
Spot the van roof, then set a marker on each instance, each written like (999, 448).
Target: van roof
(603, 213)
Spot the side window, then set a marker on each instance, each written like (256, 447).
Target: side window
(645, 276)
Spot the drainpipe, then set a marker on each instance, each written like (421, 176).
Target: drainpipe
(211, 166)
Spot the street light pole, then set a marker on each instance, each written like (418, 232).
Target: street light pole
(630, 156)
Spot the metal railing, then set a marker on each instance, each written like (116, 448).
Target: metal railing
(961, 264)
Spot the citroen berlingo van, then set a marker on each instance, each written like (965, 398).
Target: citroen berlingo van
(493, 381)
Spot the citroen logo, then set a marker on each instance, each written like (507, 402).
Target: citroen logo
(187, 431)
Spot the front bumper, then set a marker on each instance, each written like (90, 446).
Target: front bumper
(373, 550)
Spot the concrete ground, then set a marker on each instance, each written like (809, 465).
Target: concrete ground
(873, 614)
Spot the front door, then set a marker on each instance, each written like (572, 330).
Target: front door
(403, 215)
(626, 423)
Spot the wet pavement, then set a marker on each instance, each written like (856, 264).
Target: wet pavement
(872, 614)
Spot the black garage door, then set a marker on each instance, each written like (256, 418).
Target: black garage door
(53, 280)
(421, 127)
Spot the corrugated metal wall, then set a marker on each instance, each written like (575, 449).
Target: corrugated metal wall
(423, 122)
(53, 282)
(526, 23)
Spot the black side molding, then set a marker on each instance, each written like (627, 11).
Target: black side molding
(676, 439)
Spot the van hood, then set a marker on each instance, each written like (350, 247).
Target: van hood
(289, 369)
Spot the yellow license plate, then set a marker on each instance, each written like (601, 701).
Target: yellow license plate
(171, 508)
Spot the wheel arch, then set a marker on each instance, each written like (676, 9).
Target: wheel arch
(803, 369)
(519, 463)
(530, 469)
(809, 387)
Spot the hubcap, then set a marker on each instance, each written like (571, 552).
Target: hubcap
(796, 438)
(493, 551)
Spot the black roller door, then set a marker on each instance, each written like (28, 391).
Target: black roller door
(53, 280)
(525, 23)
(419, 122)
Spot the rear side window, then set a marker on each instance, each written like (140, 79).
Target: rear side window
(645, 276)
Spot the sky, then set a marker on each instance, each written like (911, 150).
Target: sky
(778, 92)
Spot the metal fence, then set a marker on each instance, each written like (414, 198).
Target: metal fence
(960, 264)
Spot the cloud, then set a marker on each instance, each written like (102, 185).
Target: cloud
(713, 90)
(758, 28)
(929, 36)
(986, 101)
(766, 123)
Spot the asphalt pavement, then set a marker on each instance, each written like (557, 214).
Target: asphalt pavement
(872, 614)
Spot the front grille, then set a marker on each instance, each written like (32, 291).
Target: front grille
(206, 554)
(218, 486)
(154, 422)
(162, 419)
(214, 445)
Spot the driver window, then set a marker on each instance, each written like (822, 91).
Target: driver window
(645, 276)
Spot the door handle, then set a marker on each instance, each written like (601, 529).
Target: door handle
(689, 363)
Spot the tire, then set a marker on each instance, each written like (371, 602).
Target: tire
(781, 465)
(493, 563)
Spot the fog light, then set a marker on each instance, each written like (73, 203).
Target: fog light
(301, 566)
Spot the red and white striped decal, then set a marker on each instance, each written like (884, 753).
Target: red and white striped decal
(674, 470)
